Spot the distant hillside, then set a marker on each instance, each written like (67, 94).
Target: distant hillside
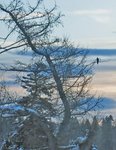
(102, 52)
(108, 103)
(96, 52)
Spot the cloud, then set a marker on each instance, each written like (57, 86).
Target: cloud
(101, 19)
(98, 15)
(91, 12)
(103, 82)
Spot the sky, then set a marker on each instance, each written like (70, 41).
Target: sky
(90, 24)
(87, 23)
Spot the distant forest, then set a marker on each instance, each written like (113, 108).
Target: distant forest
(101, 132)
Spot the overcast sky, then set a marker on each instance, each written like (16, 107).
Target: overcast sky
(89, 23)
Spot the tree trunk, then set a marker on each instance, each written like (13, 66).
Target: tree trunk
(67, 113)
(52, 142)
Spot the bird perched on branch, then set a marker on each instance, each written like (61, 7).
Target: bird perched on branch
(97, 60)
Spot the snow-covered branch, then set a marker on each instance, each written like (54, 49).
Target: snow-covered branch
(16, 109)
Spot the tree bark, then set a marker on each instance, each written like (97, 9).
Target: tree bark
(67, 113)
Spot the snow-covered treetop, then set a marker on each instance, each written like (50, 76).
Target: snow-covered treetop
(82, 139)
(94, 147)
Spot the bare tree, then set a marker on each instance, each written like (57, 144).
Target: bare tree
(61, 73)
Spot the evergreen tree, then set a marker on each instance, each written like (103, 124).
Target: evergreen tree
(107, 133)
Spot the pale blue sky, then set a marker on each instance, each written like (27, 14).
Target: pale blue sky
(89, 23)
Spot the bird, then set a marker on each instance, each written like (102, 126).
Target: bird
(97, 59)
